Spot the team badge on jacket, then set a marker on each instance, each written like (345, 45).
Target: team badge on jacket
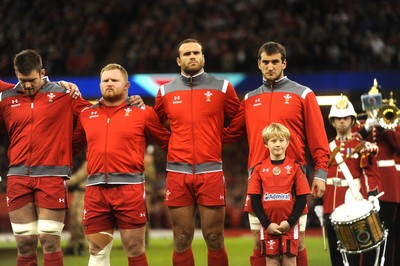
(51, 97)
(287, 98)
(208, 95)
(276, 170)
(127, 111)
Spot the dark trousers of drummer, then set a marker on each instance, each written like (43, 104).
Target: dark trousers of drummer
(390, 216)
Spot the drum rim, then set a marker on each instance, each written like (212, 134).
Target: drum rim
(368, 213)
(354, 220)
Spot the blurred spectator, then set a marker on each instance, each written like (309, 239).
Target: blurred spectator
(76, 185)
(356, 35)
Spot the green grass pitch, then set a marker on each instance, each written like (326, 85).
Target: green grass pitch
(159, 252)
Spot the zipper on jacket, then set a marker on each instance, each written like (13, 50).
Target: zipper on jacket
(105, 148)
(270, 104)
(30, 138)
(192, 124)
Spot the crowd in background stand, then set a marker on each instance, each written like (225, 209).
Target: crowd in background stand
(354, 35)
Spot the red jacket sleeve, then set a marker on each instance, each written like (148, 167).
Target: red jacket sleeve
(392, 137)
(316, 135)
(155, 130)
(371, 172)
(237, 127)
(79, 138)
(78, 105)
(232, 102)
(159, 107)
(5, 85)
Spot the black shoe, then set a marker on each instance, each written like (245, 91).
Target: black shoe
(81, 250)
(69, 251)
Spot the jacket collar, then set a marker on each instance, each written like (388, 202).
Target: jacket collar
(277, 83)
(193, 80)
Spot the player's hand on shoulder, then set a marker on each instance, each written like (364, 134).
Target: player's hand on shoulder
(136, 100)
(72, 89)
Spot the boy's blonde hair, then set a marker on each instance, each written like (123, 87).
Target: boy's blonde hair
(275, 130)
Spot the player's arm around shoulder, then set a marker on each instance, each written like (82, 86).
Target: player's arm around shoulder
(154, 129)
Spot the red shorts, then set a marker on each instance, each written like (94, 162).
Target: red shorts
(48, 192)
(206, 189)
(287, 243)
(109, 206)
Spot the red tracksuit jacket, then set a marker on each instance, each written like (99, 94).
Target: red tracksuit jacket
(40, 130)
(5, 86)
(196, 107)
(292, 105)
(116, 141)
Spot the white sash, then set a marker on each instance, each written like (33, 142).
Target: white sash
(355, 190)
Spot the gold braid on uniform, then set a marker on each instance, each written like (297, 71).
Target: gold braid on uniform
(365, 153)
(360, 148)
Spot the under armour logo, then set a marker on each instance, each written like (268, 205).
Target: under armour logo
(221, 196)
(15, 103)
(93, 114)
(177, 99)
(142, 214)
(61, 200)
(257, 102)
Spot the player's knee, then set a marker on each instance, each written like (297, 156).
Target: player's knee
(182, 242)
(101, 258)
(27, 245)
(257, 244)
(302, 245)
(215, 240)
(50, 227)
(26, 229)
(135, 248)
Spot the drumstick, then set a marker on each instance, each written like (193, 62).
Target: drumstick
(323, 236)
(380, 194)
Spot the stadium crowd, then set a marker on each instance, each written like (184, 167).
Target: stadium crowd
(76, 37)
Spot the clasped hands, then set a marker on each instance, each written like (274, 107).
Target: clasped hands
(278, 229)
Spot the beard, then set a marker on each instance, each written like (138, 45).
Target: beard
(112, 97)
(193, 70)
